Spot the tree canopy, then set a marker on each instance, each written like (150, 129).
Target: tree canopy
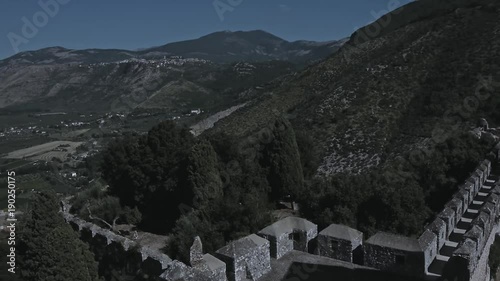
(149, 172)
(49, 249)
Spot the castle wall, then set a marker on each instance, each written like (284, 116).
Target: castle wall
(123, 253)
(468, 261)
(250, 258)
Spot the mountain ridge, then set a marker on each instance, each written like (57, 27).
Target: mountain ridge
(222, 47)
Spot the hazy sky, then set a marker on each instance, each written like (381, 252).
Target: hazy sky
(132, 24)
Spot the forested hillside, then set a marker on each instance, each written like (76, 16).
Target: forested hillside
(426, 68)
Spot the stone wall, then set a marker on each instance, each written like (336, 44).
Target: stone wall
(136, 259)
(467, 261)
(249, 258)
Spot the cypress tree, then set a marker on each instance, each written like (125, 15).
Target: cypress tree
(203, 174)
(282, 156)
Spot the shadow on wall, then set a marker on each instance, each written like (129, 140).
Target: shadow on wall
(326, 273)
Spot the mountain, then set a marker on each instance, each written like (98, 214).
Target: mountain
(414, 76)
(205, 72)
(220, 47)
(255, 45)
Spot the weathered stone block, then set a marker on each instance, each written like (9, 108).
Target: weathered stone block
(481, 175)
(448, 216)
(482, 219)
(246, 258)
(495, 200)
(289, 234)
(483, 222)
(196, 253)
(475, 234)
(216, 269)
(394, 253)
(475, 181)
(490, 209)
(428, 243)
(457, 206)
(487, 164)
(438, 227)
(339, 242)
(463, 262)
(469, 187)
(463, 196)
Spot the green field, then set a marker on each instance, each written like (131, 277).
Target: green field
(11, 144)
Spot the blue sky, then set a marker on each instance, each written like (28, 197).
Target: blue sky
(133, 24)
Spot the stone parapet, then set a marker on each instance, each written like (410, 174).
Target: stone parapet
(249, 258)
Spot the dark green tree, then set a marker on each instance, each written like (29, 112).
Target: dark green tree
(65, 257)
(282, 156)
(308, 153)
(49, 249)
(203, 176)
(149, 172)
(241, 209)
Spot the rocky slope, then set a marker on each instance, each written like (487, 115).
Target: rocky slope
(403, 82)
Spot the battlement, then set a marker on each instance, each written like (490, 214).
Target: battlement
(452, 245)
(149, 261)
